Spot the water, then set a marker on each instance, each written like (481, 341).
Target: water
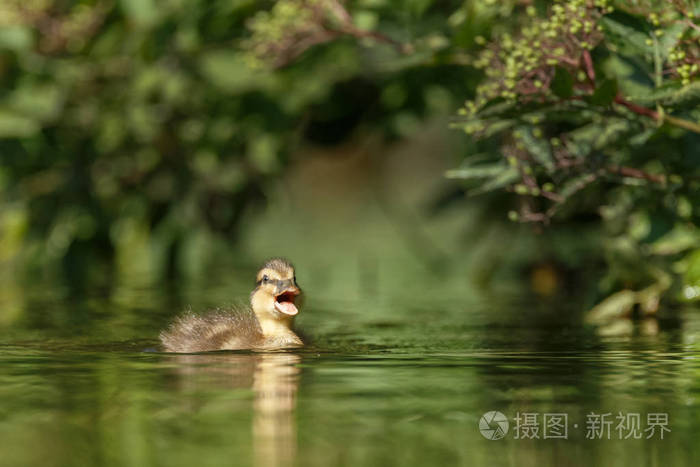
(402, 384)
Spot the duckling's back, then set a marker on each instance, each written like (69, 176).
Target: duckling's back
(216, 330)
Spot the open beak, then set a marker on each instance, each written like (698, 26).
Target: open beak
(284, 300)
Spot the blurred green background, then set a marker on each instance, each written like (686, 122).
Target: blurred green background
(143, 142)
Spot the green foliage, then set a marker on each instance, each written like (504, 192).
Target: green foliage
(125, 121)
(130, 126)
(594, 105)
(134, 131)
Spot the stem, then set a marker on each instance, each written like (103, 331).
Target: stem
(640, 110)
(379, 37)
(552, 196)
(679, 122)
(637, 173)
(658, 67)
(692, 25)
(588, 65)
(349, 28)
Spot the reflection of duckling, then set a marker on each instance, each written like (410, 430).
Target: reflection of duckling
(269, 326)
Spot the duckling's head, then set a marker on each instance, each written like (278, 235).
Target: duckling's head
(276, 291)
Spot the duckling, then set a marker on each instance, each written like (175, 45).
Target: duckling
(266, 325)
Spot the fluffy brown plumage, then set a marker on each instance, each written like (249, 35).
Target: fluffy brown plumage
(266, 325)
(216, 330)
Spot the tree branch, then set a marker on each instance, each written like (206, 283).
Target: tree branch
(640, 110)
(637, 173)
(588, 65)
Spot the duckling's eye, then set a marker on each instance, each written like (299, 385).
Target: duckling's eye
(265, 278)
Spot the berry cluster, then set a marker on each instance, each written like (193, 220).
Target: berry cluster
(684, 57)
(524, 66)
(58, 27)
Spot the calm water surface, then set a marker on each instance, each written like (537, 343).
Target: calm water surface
(405, 385)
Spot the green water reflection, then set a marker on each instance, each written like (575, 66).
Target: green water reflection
(405, 385)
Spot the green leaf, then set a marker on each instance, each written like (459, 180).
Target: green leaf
(576, 184)
(681, 238)
(505, 178)
(611, 133)
(582, 139)
(230, 72)
(615, 306)
(417, 7)
(633, 74)
(13, 125)
(684, 95)
(692, 274)
(660, 224)
(661, 93)
(670, 94)
(626, 33)
(142, 12)
(496, 107)
(497, 127)
(641, 138)
(562, 83)
(537, 147)
(366, 20)
(17, 38)
(42, 102)
(605, 93)
(263, 152)
(480, 171)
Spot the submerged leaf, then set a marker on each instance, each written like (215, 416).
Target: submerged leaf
(692, 274)
(614, 306)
